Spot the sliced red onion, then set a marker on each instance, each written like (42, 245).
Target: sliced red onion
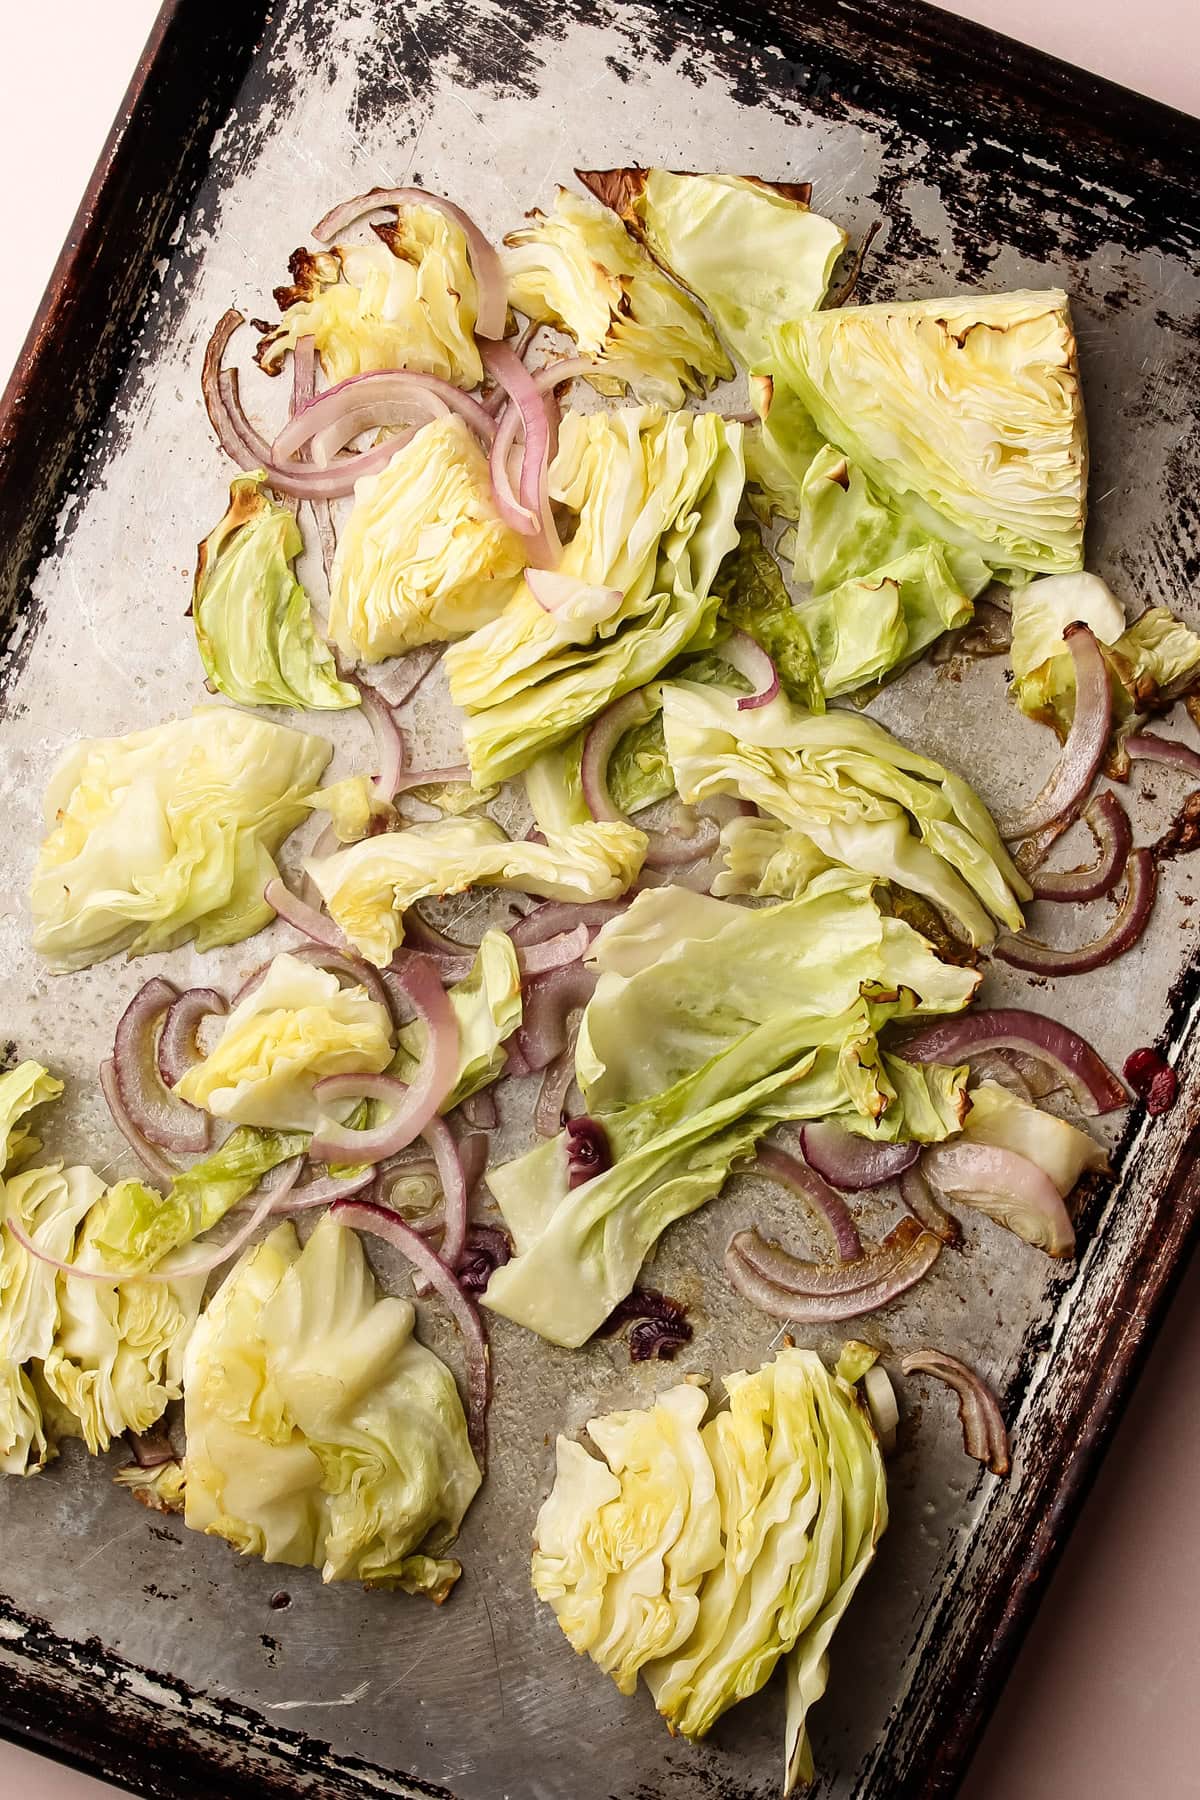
(491, 313)
(1109, 824)
(829, 1206)
(853, 1163)
(550, 917)
(417, 778)
(998, 1066)
(750, 659)
(589, 1152)
(156, 1114)
(1083, 752)
(660, 1325)
(391, 754)
(304, 374)
(1007, 1187)
(479, 1110)
(323, 1190)
(918, 1197)
(1095, 1088)
(1147, 746)
(440, 1138)
(473, 1152)
(547, 1003)
(880, 1397)
(382, 398)
(160, 1166)
(413, 1106)
(552, 375)
(1141, 880)
(984, 1434)
(663, 849)
(364, 1215)
(454, 959)
(533, 516)
(305, 918)
(177, 1047)
(810, 1293)
(556, 1085)
(555, 952)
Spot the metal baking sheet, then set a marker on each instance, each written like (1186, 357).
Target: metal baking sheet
(154, 1654)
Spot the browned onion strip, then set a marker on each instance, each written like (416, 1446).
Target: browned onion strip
(1141, 878)
(984, 1434)
(1147, 746)
(825, 1201)
(1109, 824)
(917, 1195)
(1095, 1088)
(1083, 752)
(808, 1293)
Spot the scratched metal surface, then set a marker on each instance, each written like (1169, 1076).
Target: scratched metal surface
(493, 104)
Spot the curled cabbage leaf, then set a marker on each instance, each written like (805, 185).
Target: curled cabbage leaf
(168, 835)
(767, 858)
(319, 1431)
(578, 269)
(22, 1088)
(407, 301)
(864, 799)
(750, 249)
(424, 555)
(965, 412)
(253, 620)
(656, 499)
(755, 600)
(368, 886)
(700, 1554)
(873, 625)
(297, 1025)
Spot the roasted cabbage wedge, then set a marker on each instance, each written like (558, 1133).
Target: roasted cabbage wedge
(406, 300)
(368, 885)
(750, 249)
(424, 556)
(253, 620)
(320, 1432)
(577, 268)
(168, 835)
(965, 413)
(655, 498)
(709, 1023)
(698, 1554)
(863, 798)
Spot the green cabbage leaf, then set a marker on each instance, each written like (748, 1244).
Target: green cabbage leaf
(873, 625)
(755, 600)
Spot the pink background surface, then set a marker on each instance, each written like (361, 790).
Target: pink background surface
(1103, 1700)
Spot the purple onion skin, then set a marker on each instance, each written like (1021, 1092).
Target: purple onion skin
(588, 1150)
(487, 1249)
(660, 1328)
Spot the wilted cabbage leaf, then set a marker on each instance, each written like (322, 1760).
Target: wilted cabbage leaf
(26, 1300)
(577, 268)
(755, 600)
(656, 499)
(253, 620)
(966, 412)
(700, 1554)
(167, 835)
(710, 1022)
(768, 859)
(638, 773)
(424, 555)
(487, 1006)
(319, 1431)
(872, 625)
(22, 1088)
(368, 886)
(864, 799)
(296, 1026)
(749, 249)
(407, 301)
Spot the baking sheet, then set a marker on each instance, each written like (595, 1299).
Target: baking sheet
(492, 104)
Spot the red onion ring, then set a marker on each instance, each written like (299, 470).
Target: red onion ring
(1095, 1088)
(323, 1190)
(556, 1085)
(454, 959)
(1087, 740)
(160, 1166)
(364, 1215)
(158, 1115)
(1007, 1187)
(533, 516)
(1109, 824)
(918, 1197)
(828, 1205)
(491, 313)
(413, 1105)
(1147, 746)
(663, 849)
(1141, 880)
(391, 754)
(853, 1163)
(177, 1047)
(548, 1002)
(554, 953)
(550, 917)
(415, 778)
(479, 1110)
(440, 1138)
(381, 397)
(750, 659)
(305, 918)
(808, 1293)
(984, 1434)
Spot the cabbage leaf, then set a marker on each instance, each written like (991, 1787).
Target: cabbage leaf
(168, 835)
(319, 1431)
(487, 1006)
(253, 620)
(872, 625)
(755, 600)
